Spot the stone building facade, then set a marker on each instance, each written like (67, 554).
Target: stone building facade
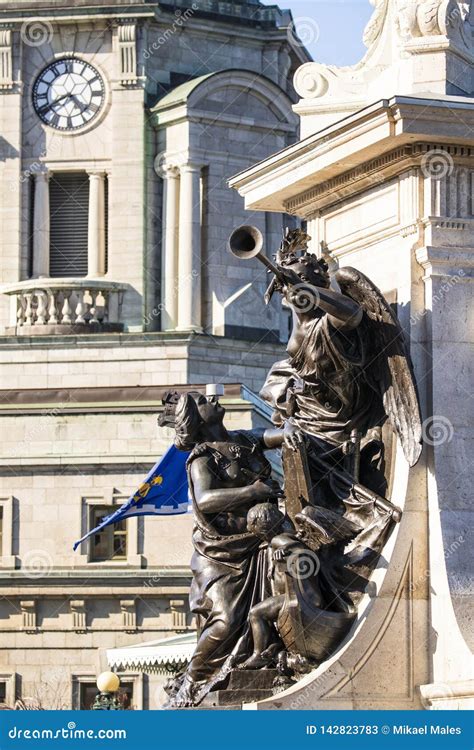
(119, 127)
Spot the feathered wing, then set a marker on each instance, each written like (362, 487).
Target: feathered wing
(389, 365)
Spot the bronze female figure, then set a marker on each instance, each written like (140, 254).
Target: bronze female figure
(228, 473)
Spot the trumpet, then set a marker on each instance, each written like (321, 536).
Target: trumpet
(246, 242)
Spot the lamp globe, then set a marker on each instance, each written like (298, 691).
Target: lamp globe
(108, 682)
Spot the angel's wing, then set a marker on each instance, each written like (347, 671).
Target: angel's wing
(390, 367)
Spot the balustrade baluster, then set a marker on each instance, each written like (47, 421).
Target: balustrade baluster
(87, 301)
(29, 309)
(67, 310)
(52, 308)
(95, 296)
(41, 310)
(80, 308)
(20, 314)
(100, 306)
(103, 311)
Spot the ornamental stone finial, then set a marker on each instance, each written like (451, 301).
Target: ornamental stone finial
(414, 47)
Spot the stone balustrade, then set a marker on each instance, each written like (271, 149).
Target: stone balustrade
(45, 306)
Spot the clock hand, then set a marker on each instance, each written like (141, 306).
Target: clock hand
(82, 106)
(50, 105)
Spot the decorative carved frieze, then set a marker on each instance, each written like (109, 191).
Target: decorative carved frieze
(6, 75)
(434, 18)
(127, 52)
(458, 179)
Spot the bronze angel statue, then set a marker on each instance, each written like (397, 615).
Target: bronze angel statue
(348, 371)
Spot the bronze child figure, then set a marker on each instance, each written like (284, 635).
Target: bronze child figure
(294, 568)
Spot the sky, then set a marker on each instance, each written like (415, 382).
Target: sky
(331, 29)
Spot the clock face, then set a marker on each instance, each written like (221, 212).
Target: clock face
(68, 94)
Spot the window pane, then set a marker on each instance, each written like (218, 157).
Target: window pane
(120, 545)
(102, 541)
(111, 542)
(3, 692)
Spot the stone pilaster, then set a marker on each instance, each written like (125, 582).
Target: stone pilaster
(169, 267)
(41, 225)
(189, 264)
(96, 225)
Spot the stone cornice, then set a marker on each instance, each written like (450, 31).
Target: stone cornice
(353, 142)
(375, 172)
(78, 15)
(446, 261)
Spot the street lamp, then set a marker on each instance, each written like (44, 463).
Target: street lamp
(108, 684)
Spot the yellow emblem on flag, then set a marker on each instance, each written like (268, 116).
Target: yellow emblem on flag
(145, 488)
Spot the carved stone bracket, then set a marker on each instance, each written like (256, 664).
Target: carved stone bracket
(79, 615)
(127, 53)
(28, 615)
(129, 615)
(6, 75)
(178, 613)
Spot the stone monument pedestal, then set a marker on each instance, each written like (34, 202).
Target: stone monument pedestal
(384, 178)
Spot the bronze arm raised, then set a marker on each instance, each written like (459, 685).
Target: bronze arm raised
(343, 312)
(221, 499)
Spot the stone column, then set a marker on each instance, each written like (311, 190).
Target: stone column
(41, 225)
(189, 263)
(96, 229)
(169, 260)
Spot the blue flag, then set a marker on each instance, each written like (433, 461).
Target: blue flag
(163, 493)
